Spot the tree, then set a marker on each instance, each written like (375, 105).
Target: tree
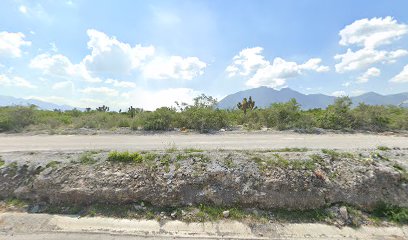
(338, 115)
(246, 104)
(204, 101)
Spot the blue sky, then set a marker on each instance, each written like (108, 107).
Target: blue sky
(151, 53)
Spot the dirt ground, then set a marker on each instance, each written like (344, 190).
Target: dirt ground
(203, 141)
(44, 226)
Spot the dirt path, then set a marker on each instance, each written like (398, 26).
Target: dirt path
(43, 226)
(224, 141)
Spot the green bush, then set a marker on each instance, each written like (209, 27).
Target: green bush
(372, 118)
(338, 115)
(283, 115)
(161, 119)
(125, 157)
(16, 118)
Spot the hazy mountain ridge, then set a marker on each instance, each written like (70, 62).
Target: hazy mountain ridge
(264, 97)
(11, 101)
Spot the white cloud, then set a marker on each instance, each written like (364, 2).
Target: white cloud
(34, 11)
(314, 65)
(110, 55)
(246, 62)
(250, 62)
(15, 81)
(11, 44)
(122, 84)
(63, 85)
(365, 57)
(100, 90)
(339, 93)
(370, 73)
(402, 77)
(371, 33)
(150, 100)
(23, 9)
(346, 84)
(60, 66)
(357, 92)
(174, 67)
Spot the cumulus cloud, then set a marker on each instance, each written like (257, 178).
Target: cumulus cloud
(250, 62)
(246, 62)
(370, 73)
(174, 67)
(402, 77)
(11, 44)
(15, 81)
(339, 93)
(365, 57)
(100, 90)
(110, 55)
(121, 84)
(63, 85)
(60, 66)
(371, 33)
(155, 99)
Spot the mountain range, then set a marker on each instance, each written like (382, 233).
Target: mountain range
(265, 96)
(10, 101)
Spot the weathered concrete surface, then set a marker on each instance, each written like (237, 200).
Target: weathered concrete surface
(221, 140)
(42, 226)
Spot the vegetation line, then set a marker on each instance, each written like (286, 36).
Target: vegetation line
(204, 116)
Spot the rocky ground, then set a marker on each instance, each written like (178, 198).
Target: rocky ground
(292, 184)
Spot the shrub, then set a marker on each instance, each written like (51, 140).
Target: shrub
(125, 157)
(338, 115)
(283, 115)
(161, 119)
(16, 118)
(372, 118)
(203, 119)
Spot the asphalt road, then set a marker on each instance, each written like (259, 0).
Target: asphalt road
(217, 141)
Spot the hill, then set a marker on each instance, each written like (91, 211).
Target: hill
(264, 97)
(10, 101)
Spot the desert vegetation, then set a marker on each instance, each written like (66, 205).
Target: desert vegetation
(203, 116)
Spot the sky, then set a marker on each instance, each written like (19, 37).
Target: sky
(86, 53)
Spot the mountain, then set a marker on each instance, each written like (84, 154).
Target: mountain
(10, 101)
(264, 97)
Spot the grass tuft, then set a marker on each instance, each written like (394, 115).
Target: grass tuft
(383, 148)
(193, 150)
(87, 158)
(392, 213)
(125, 157)
(52, 164)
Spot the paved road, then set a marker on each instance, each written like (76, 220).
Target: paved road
(218, 141)
(15, 226)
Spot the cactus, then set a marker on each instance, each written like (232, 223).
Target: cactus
(102, 109)
(132, 111)
(246, 105)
